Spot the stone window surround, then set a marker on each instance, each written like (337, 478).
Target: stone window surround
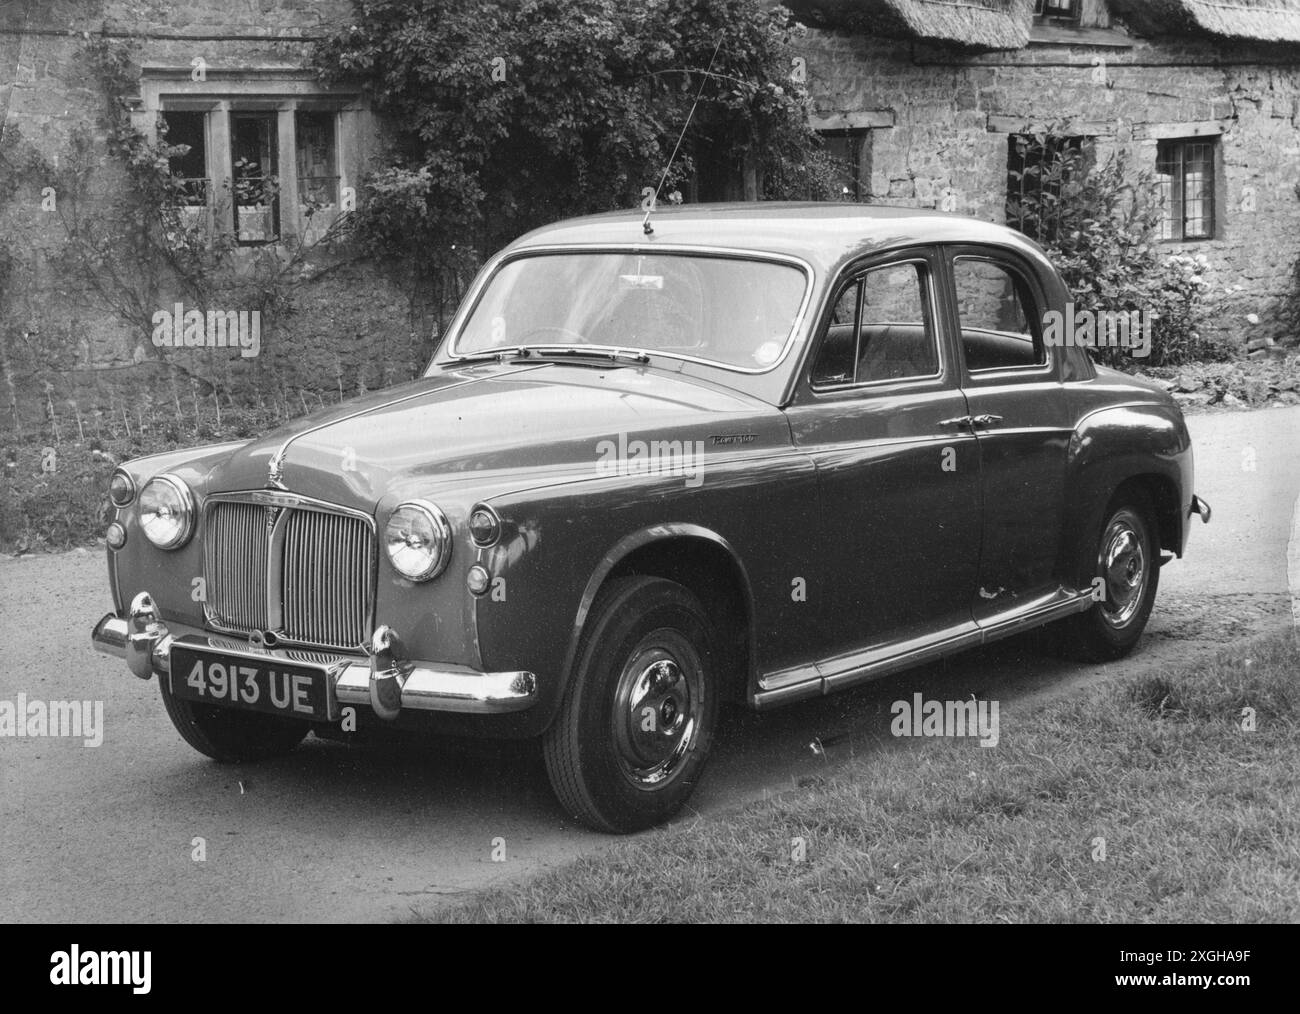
(1189, 134)
(283, 90)
(1145, 139)
(860, 122)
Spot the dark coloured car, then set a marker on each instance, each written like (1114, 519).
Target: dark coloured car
(758, 453)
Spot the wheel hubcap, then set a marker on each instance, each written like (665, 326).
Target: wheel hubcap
(656, 708)
(1123, 568)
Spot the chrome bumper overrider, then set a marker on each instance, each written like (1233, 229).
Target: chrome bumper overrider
(387, 681)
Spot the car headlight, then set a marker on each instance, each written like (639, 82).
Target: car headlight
(167, 512)
(418, 540)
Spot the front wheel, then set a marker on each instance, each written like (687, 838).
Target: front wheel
(629, 744)
(1127, 575)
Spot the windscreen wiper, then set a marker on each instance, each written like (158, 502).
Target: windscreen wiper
(536, 352)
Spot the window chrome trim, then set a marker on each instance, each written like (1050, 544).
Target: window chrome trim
(1047, 366)
(928, 276)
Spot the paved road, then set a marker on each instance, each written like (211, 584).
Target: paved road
(337, 833)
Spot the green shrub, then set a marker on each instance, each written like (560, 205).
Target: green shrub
(1100, 225)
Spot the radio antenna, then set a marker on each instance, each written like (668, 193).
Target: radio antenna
(646, 227)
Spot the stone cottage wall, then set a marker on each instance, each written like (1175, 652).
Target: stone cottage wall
(350, 329)
(940, 122)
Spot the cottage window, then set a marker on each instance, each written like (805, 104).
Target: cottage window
(262, 156)
(255, 178)
(1038, 167)
(318, 173)
(1058, 10)
(851, 152)
(1185, 175)
(187, 132)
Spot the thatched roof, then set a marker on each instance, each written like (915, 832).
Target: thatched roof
(1263, 20)
(975, 24)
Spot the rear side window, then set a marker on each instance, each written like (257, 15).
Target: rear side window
(1000, 322)
(880, 329)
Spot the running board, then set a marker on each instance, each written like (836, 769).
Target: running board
(841, 672)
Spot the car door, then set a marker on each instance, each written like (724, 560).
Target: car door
(1011, 379)
(899, 500)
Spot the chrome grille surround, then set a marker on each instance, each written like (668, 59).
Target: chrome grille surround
(299, 568)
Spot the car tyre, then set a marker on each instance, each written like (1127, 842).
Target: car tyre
(230, 735)
(638, 718)
(1125, 558)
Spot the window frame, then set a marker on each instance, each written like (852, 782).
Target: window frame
(1057, 145)
(1176, 195)
(206, 179)
(929, 276)
(858, 139)
(280, 91)
(1043, 16)
(1009, 262)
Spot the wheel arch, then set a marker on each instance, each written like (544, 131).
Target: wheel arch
(1119, 447)
(702, 561)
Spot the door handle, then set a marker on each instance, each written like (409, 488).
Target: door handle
(963, 420)
(986, 420)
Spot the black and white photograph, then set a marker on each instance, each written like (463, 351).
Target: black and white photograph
(651, 462)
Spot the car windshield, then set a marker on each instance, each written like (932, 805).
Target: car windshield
(727, 310)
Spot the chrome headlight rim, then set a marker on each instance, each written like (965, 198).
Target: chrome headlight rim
(441, 529)
(131, 489)
(189, 512)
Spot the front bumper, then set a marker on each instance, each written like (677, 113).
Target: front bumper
(386, 681)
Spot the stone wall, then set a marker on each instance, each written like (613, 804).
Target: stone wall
(345, 325)
(939, 123)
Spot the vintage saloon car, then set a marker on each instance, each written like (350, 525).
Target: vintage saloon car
(751, 453)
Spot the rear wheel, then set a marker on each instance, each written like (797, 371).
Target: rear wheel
(231, 735)
(1127, 575)
(629, 744)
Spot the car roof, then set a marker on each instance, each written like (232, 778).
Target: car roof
(824, 234)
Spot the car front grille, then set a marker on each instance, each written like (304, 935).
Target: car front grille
(304, 573)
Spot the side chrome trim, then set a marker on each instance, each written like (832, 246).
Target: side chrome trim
(841, 672)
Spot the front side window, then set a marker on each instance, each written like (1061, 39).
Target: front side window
(880, 329)
(1001, 327)
(731, 311)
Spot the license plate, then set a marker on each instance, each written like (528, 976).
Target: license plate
(272, 685)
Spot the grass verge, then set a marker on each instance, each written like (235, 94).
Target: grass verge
(1200, 821)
